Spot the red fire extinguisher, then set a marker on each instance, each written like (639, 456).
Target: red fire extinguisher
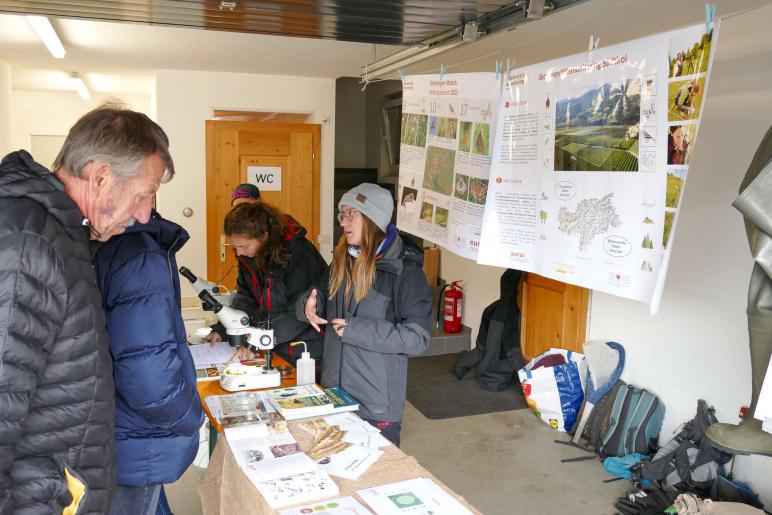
(452, 296)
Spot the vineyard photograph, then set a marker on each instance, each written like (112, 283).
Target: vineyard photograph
(597, 129)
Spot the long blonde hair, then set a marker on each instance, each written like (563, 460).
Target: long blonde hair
(357, 271)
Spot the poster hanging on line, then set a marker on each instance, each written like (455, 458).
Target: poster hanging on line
(445, 157)
(590, 160)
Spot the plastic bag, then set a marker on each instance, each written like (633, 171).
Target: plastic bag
(623, 466)
(555, 393)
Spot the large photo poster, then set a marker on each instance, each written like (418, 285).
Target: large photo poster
(445, 157)
(590, 161)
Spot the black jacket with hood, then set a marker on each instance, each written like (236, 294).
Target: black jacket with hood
(272, 293)
(392, 322)
(56, 377)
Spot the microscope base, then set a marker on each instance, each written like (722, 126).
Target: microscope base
(239, 377)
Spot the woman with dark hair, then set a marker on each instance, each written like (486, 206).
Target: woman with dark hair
(378, 306)
(277, 264)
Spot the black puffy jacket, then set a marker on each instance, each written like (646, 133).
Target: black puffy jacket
(56, 377)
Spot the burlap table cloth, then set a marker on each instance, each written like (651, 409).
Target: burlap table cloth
(226, 490)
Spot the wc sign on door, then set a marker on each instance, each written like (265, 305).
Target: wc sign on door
(267, 178)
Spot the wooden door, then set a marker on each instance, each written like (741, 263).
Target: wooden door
(554, 314)
(233, 146)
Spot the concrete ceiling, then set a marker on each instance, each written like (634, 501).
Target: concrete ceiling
(121, 57)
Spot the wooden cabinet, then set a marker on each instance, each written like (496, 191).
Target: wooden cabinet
(554, 314)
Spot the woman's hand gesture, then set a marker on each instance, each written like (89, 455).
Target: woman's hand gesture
(310, 311)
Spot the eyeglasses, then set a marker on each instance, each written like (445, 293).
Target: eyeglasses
(347, 215)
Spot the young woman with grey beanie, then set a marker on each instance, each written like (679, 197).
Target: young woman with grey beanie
(376, 306)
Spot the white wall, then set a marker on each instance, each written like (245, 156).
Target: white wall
(5, 108)
(185, 99)
(697, 347)
(51, 113)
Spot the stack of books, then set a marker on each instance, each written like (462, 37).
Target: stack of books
(294, 402)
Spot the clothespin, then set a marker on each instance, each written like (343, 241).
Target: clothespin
(710, 14)
(592, 46)
(498, 69)
(366, 78)
(443, 71)
(401, 72)
(508, 76)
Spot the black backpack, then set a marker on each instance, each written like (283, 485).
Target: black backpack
(650, 500)
(497, 353)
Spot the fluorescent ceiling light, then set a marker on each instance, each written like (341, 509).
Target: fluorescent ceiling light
(80, 86)
(46, 32)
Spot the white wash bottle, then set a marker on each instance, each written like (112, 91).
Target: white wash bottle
(305, 366)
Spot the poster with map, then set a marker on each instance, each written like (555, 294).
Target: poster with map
(445, 157)
(590, 161)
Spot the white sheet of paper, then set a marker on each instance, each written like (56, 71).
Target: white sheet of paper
(340, 506)
(294, 464)
(365, 438)
(205, 355)
(764, 404)
(257, 429)
(349, 422)
(418, 496)
(351, 462)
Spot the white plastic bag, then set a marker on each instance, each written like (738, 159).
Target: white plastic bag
(555, 393)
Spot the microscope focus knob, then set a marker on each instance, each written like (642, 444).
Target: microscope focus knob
(266, 340)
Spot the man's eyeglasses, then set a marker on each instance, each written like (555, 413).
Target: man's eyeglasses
(347, 215)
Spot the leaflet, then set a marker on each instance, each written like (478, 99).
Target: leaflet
(341, 506)
(351, 462)
(419, 496)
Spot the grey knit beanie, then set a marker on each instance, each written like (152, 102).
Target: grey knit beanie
(371, 200)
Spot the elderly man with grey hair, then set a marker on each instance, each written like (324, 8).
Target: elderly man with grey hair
(56, 376)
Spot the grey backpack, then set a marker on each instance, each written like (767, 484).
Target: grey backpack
(626, 420)
(688, 462)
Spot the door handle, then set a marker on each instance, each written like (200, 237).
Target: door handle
(223, 244)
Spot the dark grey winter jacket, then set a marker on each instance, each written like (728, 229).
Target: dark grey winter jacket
(391, 323)
(56, 376)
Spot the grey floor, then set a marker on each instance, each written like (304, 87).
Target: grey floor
(503, 463)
